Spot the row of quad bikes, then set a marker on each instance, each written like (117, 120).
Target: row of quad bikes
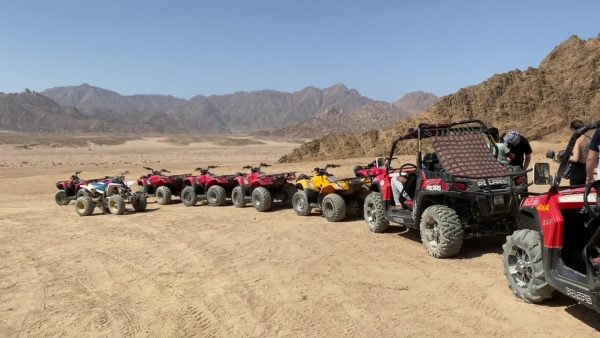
(552, 239)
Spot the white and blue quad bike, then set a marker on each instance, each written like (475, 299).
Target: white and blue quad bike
(110, 195)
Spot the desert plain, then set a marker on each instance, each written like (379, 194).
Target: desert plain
(221, 271)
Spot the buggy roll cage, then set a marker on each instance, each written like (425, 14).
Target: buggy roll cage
(564, 161)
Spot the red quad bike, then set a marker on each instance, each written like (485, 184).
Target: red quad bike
(557, 246)
(69, 190)
(373, 169)
(262, 189)
(458, 192)
(215, 189)
(162, 186)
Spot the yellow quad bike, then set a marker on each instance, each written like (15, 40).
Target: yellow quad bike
(333, 196)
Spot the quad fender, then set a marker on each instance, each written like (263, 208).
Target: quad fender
(527, 219)
(61, 185)
(383, 184)
(302, 184)
(191, 181)
(114, 189)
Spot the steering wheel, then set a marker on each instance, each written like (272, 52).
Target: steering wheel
(593, 212)
(407, 166)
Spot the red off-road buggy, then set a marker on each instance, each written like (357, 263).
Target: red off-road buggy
(69, 190)
(215, 189)
(558, 244)
(262, 189)
(460, 191)
(162, 186)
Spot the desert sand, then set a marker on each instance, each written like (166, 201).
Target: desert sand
(221, 271)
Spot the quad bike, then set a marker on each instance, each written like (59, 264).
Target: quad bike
(262, 189)
(333, 196)
(460, 191)
(70, 189)
(557, 245)
(110, 195)
(373, 169)
(215, 189)
(163, 187)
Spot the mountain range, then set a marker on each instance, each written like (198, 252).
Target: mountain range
(537, 102)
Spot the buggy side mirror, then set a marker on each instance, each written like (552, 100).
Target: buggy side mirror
(541, 174)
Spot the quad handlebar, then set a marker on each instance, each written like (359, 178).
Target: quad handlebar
(156, 172)
(323, 171)
(256, 169)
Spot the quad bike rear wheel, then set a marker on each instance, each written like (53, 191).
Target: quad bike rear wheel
(216, 196)
(139, 204)
(84, 206)
(441, 231)
(333, 207)
(261, 199)
(61, 197)
(300, 203)
(163, 195)
(116, 205)
(524, 268)
(238, 198)
(188, 196)
(289, 192)
(374, 213)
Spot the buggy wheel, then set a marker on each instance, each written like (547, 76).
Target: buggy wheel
(375, 213)
(216, 196)
(333, 207)
(523, 266)
(238, 198)
(61, 197)
(261, 199)
(188, 196)
(441, 231)
(116, 204)
(163, 195)
(300, 203)
(84, 206)
(140, 202)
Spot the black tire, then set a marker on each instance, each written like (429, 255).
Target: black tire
(140, 203)
(188, 196)
(523, 266)
(261, 199)
(82, 193)
(441, 231)
(163, 195)
(84, 206)
(374, 213)
(289, 192)
(216, 196)
(116, 205)
(300, 203)
(333, 207)
(61, 198)
(237, 197)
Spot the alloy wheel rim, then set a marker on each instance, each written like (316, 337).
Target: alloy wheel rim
(520, 266)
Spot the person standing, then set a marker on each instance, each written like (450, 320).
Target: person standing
(579, 155)
(502, 148)
(592, 158)
(520, 149)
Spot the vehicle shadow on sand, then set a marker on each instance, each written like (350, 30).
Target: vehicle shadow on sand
(126, 213)
(581, 312)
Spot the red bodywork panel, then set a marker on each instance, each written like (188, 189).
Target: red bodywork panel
(548, 208)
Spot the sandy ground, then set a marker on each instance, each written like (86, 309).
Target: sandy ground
(212, 272)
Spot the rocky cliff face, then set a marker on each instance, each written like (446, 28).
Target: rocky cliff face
(537, 101)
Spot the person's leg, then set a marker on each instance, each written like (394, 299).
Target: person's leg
(397, 189)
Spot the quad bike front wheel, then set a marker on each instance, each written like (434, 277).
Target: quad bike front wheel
(140, 202)
(261, 199)
(188, 196)
(116, 205)
(82, 193)
(374, 213)
(238, 198)
(84, 206)
(61, 197)
(300, 203)
(441, 231)
(216, 196)
(524, 268)
(163, 195)
(333, 207)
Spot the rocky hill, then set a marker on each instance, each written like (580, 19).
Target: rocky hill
(537, 101)
(377, 115)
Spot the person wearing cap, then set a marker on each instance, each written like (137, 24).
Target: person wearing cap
(520, 149)
(592, 157)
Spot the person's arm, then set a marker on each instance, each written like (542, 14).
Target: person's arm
(527, 161)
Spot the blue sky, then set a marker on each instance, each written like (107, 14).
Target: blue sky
(383, 49)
